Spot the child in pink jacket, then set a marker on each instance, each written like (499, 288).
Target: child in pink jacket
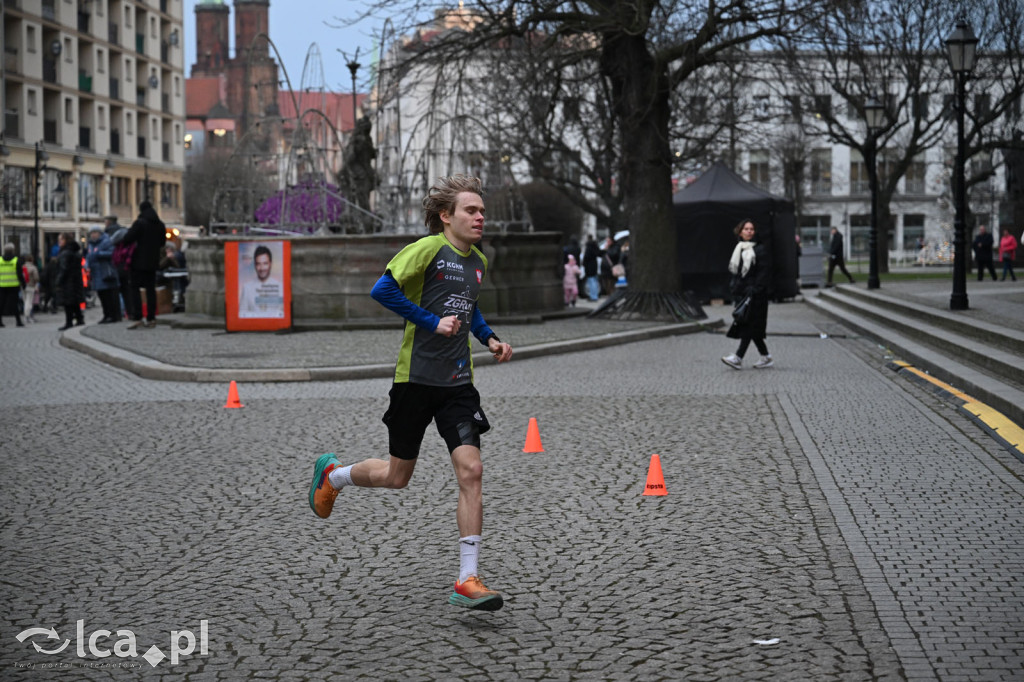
(570, 281)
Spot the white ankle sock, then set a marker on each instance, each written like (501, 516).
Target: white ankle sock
(340, 476)
(469, 551)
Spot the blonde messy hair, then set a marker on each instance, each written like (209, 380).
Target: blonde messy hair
(442, 196)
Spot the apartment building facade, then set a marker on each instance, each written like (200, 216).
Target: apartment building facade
(94, 115)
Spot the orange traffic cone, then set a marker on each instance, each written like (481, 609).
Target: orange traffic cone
(655, 480)
(533, 437)
(233, 400)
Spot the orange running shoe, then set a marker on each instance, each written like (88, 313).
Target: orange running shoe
(472, 594)
(321, 492)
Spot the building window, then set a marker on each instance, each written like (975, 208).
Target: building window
(913, 231)
(55, 193)
(860, 233)
(796, 110)
(101, 61)
(17, 190)
(821, 171)
(177, 87)
(762, 106)
(129, 126)
(913, 179)
(760, 173)
(69, 110)
(68, 56)
(31, 102)
(814, 230)
(919, 106)
(101, 116)
(119, 195)
(30, 38)
(859, 183)
(88, 194)
(823, 106)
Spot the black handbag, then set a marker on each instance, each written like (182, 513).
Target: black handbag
(742, 310)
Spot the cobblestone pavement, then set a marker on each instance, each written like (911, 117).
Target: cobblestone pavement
(826, 520)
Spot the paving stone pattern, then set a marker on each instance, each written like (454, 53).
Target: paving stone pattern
(850, 522)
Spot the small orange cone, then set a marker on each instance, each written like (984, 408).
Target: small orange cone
(655, 480)
(233, 400)
(533, 437)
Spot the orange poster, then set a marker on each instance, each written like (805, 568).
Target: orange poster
(258, 285)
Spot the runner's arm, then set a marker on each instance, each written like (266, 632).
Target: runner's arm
(387, 292)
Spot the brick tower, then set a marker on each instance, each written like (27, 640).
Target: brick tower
(212, 19)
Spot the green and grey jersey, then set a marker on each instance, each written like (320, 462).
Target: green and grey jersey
(444, 281)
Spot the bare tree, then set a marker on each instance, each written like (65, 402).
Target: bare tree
(894, 51)
(620, 63)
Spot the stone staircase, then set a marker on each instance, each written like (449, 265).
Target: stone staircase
(974, 355)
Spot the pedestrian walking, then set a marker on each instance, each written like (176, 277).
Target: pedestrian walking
(1007, 254)
(590, 264)
(570, 280)
(111, 226)
(30, 274)
(68, 286)
(122, 263)
(99, 258)
(148, 233)
(11, 281)
(433, 284)
(836, 258)
(749, 286)
(982, 246)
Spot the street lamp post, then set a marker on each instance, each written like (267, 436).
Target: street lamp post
(353, 67)
(41, 158)
(874, 114)
(962, 45)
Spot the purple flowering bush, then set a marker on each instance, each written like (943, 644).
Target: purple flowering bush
(311, 202)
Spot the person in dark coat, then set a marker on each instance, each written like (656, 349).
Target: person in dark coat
(148, 233)
(68, 287)
(99, 258)
(983, 245)
(591, 254)
(836, 259)
(751, 274)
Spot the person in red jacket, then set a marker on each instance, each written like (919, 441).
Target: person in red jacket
(1007, 254)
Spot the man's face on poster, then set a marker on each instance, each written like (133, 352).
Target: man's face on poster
(262, 264)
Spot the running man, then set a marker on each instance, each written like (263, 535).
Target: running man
(433, 284)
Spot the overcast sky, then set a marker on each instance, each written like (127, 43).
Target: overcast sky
(294, 26)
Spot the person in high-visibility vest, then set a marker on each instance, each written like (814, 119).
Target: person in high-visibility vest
(11, 281)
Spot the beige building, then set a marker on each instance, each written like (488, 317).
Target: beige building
(94, 115)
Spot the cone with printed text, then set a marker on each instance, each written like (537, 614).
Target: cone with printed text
(533, 437)
(655, 479)
(233, 400)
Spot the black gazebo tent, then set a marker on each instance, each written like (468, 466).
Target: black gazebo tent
(705, 214)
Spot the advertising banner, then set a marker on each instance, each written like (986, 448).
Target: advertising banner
(257, 285)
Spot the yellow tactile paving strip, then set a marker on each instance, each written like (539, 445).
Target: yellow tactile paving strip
(998, 424)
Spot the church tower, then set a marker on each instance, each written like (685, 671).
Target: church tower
(212, 23)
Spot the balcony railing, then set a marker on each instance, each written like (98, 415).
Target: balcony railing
(49, 70)
(10, 59)
(12, 125)
(84, 82)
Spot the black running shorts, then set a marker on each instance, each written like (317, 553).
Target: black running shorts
(414, 405)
